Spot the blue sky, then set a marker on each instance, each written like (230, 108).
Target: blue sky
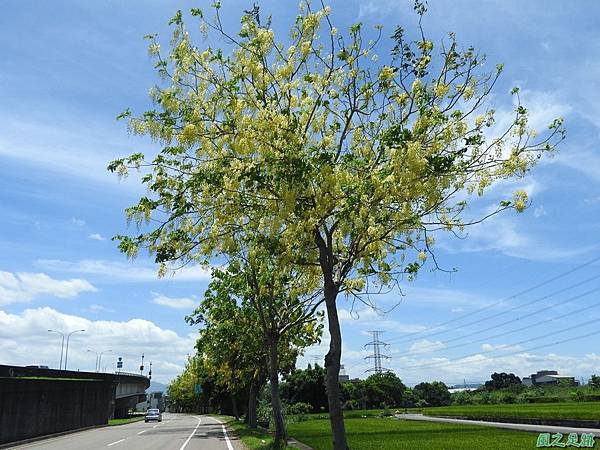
(69, 67)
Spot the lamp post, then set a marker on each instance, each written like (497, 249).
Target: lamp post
(100, 358)
(62, 346)
(94, 351)
(67, 350)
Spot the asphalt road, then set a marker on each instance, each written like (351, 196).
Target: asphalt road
(510, 426)
(175, 432)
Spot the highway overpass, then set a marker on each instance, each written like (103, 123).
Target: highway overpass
(36, 402)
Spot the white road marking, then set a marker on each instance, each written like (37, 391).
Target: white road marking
(116, 442)
(227, 441)
(190, 436)
(229, 446)
(143, 431)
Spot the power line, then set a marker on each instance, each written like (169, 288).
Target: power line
(579, 325)
(317, 359)
(526, 327)
(406, 337)
(377, 355)
(569, 300)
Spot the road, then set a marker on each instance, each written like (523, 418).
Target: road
(511, 426)
(175, 432)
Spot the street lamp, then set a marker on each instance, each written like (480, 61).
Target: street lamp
(67, 350)
(94, 351)
(100, 358)
(62, 346)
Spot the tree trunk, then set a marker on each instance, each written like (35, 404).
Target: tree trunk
(332, 364)
(234, 407)
(251, 416)
(280, 437)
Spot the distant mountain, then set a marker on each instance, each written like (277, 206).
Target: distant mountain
(155, 386)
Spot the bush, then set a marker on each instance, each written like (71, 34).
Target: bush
(421, 403)
(351, 405)
(435, 393)
(299, 408)
(462, 398)
(386, 411)
(264, 412)
(508, 397)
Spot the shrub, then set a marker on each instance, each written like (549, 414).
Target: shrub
(299, 408)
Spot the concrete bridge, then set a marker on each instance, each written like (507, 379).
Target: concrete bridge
(37, 401)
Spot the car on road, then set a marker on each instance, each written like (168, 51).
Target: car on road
(153, 414)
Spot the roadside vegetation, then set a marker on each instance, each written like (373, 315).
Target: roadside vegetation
(393, 434)
(303, 398)
(124, 421)
(253, 439)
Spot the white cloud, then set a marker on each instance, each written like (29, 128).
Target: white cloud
(97, 308)
(25, 286)
(495, 347)
(96, 237)
(505, 233)
(540, 211)
(24, 339)
(369, 318)
(56, 145)
(379, 8)
(426, 346)
(177, 303)
(584, 160)
(122, 270)
(77, 222)
(591, 200)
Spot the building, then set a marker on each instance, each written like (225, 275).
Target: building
(548, 378)
(153, 400)
(343, 377)
(465, 387)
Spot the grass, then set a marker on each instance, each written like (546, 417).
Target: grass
(259, 439)
(563, 410)
(112, 422)
(388, 434)
(354, 414)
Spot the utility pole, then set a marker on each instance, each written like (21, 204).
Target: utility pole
(377, 355)
(142, 365)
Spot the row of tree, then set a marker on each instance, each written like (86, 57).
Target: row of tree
(305, 170)
(306, 387)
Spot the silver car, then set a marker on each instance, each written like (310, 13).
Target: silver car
(153, 414)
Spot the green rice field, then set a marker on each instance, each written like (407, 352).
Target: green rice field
(389, 433)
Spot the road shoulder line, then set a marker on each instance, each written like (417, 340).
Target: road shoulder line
(190, 436)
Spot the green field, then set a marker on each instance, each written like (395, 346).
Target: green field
(393, 434)
(566, 410)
